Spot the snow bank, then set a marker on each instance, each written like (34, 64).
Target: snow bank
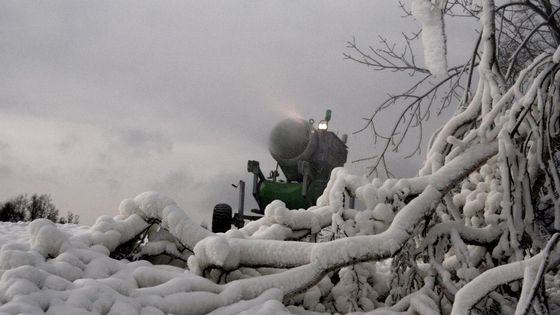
(48, 270)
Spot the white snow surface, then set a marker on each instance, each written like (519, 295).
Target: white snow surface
(48, 268)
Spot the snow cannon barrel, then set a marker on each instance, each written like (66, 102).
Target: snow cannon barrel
(292, 140)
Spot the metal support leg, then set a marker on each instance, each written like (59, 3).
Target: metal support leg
(304, 168)
(240, 222)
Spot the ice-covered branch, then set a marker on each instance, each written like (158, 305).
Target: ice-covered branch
(475, 236)
(488, 281)
(335, 254)
(151, 205)
(434, 40)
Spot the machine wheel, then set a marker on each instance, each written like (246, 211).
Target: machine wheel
(221, 218)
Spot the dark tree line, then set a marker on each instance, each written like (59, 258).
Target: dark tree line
(29, 208)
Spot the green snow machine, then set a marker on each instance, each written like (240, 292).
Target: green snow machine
(305, 154)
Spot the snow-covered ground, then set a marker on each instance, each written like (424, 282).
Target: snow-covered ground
(141, 262)
(66, 269)
(48, 268)
(72, 269)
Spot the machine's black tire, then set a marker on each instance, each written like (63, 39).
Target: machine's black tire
(221, 218)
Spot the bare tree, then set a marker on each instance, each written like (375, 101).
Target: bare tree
(523, 31)
(23, 208)
(41, 207)
(13, 210)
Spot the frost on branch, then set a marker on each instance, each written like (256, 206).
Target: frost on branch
(429, 14)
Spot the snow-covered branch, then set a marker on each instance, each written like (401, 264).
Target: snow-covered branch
(488, 281)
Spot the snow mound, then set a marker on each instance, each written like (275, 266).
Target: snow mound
(70, 269)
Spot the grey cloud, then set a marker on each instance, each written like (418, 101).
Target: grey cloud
(113, 184)
(68, 142)
(5, 170)
(4, 146)
(142, 140)
(174, 93)
(173, 182)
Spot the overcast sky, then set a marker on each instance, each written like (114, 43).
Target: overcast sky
(102, 100)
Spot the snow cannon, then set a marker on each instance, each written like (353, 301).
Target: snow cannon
(305, 154)
(292, 141)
